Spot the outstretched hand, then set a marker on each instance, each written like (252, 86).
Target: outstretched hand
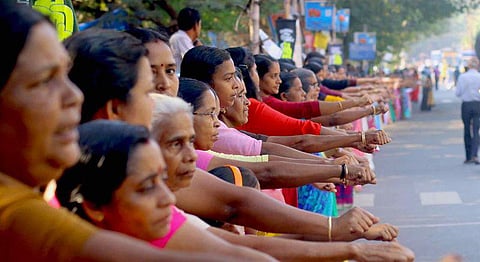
(382, 252)
(352, 224)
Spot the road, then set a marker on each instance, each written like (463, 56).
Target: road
(423, 186)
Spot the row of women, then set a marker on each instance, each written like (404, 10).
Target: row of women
(136, 184)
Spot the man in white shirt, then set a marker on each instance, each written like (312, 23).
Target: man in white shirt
(190, 26)
(468, 89)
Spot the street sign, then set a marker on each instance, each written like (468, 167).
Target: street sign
(361, 52)
(318, 17)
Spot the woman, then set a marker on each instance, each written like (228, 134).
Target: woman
(223, 201)
(309, 141)
(271, 173)
(173, 121)
(161, 59)
(269, 75)
(291, 90)
(39, 113)
(118, 185)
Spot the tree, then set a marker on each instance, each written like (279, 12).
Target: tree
(396, 23)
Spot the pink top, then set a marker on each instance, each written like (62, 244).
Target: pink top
(232, 141)
(262, 119)
(203, 159)
(178, 219)
(307, 109)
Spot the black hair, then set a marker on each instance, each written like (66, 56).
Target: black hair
(106, 147)
(263, 63)
(201, 62)
(187, 18)
(287, 61)
(105, 66)
(243, 59)
(192, 91)
(16, 21)
(287, 82)
(148, 35)
(315, 67)
(314, 60)
(286, 67)
(313, 54)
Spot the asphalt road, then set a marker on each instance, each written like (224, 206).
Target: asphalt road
(423, 186)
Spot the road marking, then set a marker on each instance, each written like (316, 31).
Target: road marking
(440, 225)
(364, 200)
(426, 198)
(440, 198)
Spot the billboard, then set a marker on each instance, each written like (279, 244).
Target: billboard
(361, 52)
(318, 17)
(342, 20)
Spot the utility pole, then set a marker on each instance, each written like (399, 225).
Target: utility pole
(254, 26)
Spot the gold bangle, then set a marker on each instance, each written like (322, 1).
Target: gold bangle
(364, 139)
(340, 105)
(330, 229)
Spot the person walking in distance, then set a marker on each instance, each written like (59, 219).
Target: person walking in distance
(468, 89)
(190, 26)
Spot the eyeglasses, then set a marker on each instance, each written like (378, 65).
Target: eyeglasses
(213, 115)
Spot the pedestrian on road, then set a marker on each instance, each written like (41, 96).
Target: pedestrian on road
(468, 89)
(190, 26)
(427, 94)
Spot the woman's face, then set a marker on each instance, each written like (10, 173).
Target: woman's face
(314, 90)
(138, 109)
(141, 206)
(205, 121)
(224, 84)
(176, 136)
(237, 114)
(163, 67)
(271, 81)
(295, 93)
(39, 111)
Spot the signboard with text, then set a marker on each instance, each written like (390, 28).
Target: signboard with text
(286, 32)
(360, 52)
(318, 17)
(342, 20)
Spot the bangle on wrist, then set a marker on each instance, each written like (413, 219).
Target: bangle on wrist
(364, 139)
(343, 175)
(330, 229)
(340, 105)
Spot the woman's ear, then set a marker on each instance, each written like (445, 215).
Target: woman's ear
(283, 96)
(113, 109)
(93, 212)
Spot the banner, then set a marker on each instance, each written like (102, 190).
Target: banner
(342, 20)
(318, 17)
(321, 40)
(60, 12)
(286, 32)
(365, 38)
(361, 52)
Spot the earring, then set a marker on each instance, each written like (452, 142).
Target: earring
(99, 217)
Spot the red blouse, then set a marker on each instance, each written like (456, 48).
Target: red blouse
(262, 119)
(307, 109)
